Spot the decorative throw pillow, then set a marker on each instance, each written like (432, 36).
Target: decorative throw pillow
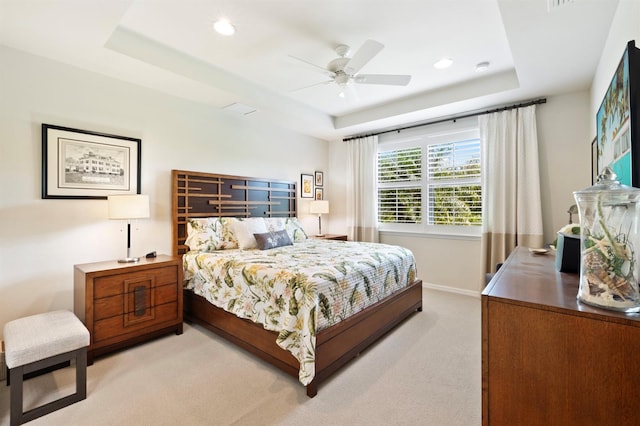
(294, 229)
(204, 234)
(228, 238)
(210, 233)
(269, 240)
(244, 230)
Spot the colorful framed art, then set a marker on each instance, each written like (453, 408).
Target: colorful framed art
(618, 121)
(306, 186)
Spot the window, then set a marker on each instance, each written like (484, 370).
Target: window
(453, 182)
(399, 192)
(431, 182)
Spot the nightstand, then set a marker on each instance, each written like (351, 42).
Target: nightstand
(338, 237)
(122, 304)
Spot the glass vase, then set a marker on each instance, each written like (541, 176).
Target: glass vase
(608, 243)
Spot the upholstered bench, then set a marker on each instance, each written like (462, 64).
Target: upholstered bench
(42, 341)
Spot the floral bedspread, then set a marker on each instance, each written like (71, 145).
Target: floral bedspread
(300, 289)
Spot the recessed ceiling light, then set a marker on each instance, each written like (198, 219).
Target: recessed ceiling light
(224, 27)
(482, 66)
(443, 63)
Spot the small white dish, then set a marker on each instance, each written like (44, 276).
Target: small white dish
(539, 250)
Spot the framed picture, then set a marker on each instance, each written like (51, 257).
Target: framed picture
(618, 121)
(84, 164)
(306, 186)
(594, 161)
(319, 192)
(319, 178)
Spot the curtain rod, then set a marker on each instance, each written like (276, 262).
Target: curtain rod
(473, 114)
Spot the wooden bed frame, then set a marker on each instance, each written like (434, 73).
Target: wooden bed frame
(198, 194)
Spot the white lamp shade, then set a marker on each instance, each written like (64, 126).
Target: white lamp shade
(128, 206)
(319, 207)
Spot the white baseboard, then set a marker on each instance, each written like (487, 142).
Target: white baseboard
(447, 289)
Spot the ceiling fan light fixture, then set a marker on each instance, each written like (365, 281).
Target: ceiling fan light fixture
(482, 66)
(224, 27)
(344, 71)
(341, 78)
(443, 63)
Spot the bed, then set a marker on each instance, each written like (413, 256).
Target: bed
(304, 335)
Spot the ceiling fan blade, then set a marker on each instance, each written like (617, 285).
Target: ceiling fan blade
(323, 69)
(312, 85)
(368, 50)
(393, 80)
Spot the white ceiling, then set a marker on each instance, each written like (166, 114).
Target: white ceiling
(169, 45)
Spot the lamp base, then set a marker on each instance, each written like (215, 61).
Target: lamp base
(129, 260)
(320, 235)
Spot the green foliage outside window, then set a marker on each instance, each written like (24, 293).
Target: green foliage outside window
(402, 203)
(452, 185)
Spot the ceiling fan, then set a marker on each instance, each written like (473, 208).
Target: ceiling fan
(344, 70)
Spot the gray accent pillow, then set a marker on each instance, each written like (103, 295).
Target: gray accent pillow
(269, 240)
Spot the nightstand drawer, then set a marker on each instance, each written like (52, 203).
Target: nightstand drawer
(114, 285)
(120, 325)
(107, 307)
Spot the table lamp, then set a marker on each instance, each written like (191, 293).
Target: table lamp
(128, 207)
(319, 207)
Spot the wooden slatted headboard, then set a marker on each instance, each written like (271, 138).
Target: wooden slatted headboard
(196, 194)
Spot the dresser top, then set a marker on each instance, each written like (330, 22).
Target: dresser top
(532, 280)
(111, 265)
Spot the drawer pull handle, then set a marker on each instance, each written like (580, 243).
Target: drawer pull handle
(139, 300)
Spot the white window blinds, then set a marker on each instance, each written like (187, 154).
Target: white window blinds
(399, 186)
(453, 183)
(429, 181)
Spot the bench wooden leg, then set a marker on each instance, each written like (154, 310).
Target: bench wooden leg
(81, 374)
(16, 374)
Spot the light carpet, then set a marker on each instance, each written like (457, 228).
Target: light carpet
(427, 371)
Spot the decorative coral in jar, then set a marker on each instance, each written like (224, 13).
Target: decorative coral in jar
(608, 243)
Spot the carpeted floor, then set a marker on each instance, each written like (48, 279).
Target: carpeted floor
(427, 371)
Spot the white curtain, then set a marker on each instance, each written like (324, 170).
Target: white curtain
(362, 189)
(511, 206)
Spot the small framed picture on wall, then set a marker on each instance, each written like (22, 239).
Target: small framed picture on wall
(306, 186)
(319, 179)
(319, 192)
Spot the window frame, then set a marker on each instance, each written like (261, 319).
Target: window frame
(422, 137)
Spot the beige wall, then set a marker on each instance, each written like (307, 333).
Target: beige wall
(41, 240)
(564, 139)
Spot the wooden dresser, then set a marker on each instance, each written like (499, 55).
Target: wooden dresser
(548, 359)
(122, 304)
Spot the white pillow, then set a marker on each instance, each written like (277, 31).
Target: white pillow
(244, 230)
(274, 223)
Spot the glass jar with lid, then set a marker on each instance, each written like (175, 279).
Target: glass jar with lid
(608, 244)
